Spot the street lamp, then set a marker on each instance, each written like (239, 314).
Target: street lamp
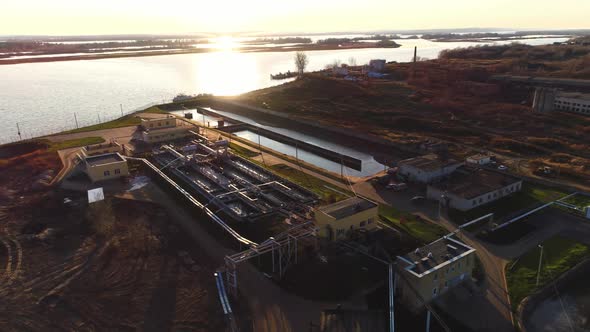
(440, 202)
(539, 269)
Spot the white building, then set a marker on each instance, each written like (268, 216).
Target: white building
(432, 270)
(427, 169)
(573, 102)
(105, 166)
(340, 71)
(156, 130)
(479, 159)
(377, 64)
(465, 190)
(102, 148)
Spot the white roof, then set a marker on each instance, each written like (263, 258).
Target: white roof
(95, 195)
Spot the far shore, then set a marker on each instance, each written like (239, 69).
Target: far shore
(94, 56)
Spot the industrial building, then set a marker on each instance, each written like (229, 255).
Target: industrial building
(427, 169)
(336, 221)
(238, 188)
(377, 65)
(432, 270)
(163, 129)
(468, 189)
(479, 159)
(105, 166)
(573, 102)
(102, 148)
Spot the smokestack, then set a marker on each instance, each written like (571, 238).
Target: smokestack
(413, 74)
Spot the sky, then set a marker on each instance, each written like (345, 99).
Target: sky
(79, 17)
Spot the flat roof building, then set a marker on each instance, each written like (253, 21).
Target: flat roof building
(468, 189)
(105, 166)
(479, 159)
(102, 148)
(573, 102)
(427, 168)
(159, 122)
(156, 130)
(336, 221)
(432, 270)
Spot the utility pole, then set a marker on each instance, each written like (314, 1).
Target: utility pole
(98, 115)
(539, 269)
(76, 119)
(18, 131)
(121, 105)
(414, 62)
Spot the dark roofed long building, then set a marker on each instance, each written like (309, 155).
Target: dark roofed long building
(427, 168)
(467, 189)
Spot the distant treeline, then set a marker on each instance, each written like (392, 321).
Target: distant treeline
(437, 36)
(515, 50)
(283, 40)
(564, 60)
(502, 36)
(56, 48)
(382, 41)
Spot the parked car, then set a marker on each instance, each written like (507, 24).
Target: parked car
(418, 199)
(397, 186)
(502, 167)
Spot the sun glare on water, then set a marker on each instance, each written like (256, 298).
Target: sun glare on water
(225, 43)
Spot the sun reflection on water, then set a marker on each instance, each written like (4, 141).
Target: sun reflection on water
(226, 72)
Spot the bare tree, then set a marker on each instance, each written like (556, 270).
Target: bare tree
(335, 64)
(301, 62)
(352, 61)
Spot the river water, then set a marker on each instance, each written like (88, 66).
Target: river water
(43, 97)
(567, 313)
(369, 165)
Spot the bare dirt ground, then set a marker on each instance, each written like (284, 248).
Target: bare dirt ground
(115, 265)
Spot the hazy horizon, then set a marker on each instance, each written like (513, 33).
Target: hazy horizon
(111, 17)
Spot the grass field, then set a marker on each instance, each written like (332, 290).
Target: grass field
(242, 151)
(125, 121)
(327, 192)
(54, 146)
(559, 255)
(580, 201)
(529, 196)
(422, 230)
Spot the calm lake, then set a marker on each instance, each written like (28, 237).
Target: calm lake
(43, 97)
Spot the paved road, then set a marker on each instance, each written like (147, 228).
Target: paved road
(489, 310)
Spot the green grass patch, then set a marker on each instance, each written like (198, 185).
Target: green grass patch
(327, 192)
(422, 230)
(126, 121)
(529, 196)
(559, 255)
(154, 110)
(578, 200)
(73, 143)
(242, 151)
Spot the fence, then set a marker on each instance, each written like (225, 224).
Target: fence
(33, 129)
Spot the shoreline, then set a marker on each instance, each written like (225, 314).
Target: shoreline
(483, 40)
(91, 56)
